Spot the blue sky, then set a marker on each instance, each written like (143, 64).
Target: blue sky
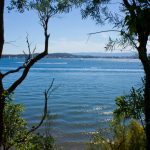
(68, 33)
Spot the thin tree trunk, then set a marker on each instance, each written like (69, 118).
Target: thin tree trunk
(1, 120)
(147, 109)
(146, 65)
(1, 26)
(2, 103)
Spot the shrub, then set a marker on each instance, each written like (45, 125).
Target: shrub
(126, 130)
(119, 137)
(16, 134)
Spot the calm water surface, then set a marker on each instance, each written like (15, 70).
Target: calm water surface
(84, 98)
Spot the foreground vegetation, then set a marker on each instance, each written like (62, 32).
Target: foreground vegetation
(17, 134)
(126, 131)
(120, 137)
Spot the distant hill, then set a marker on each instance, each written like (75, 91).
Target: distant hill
(108, 54)
(80, 55)
(52, 55)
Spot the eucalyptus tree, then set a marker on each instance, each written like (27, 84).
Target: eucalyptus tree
(132, 22)
(45, 9)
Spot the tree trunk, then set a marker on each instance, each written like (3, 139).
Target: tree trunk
(1, 120)
(1, 85)
(147, 109)
(146, 64)
(1, 26)
(2, 104)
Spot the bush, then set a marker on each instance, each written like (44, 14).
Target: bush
(16, 134)
(119, 137)
(126, 130)
(131, 106)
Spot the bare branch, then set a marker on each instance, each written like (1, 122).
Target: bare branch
(13, 71)
(103, 31)
(29, 49)
(123, 33)
(50, 87)
(46, 94)
(30, 63)
(33, 51)
(28, 57)
(9, 42)
(26, 70)
(45, 111)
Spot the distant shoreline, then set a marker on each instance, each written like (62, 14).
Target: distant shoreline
(68, 55)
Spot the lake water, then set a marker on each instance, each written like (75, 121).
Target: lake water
(84, 98)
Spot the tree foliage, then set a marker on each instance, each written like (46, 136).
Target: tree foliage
(128, 20)
(16, 131)
(119, 137)
(46, 6)
(133, 26)
(131, 106)
(96, 9)
(127, 129)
